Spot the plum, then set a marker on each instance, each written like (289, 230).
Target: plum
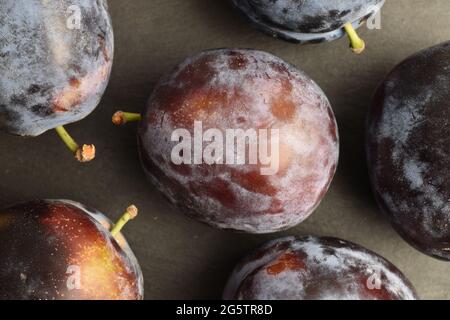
(62, 250)
(55, 63)
(408, 151)
(310, 21)
(311, 268)
(211, 97)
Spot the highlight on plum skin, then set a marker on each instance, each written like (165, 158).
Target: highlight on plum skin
(62, 250)
(311, 21)
(311, 268)
(53, 73)
(241, 89)
(408, 153)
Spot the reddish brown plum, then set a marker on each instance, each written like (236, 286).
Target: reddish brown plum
(61, 250)
(54, 67)
(408, 149)
(311, 268)
(242, 89)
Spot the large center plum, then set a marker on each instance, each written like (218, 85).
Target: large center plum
(312, 268)
(248, 90)
(310, 21)
(55, 62)
(409, 151)
(62, 250)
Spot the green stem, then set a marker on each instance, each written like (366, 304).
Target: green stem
(356, 43)
(120, 117)
(68, 140)
(84, 154)
(129, 214)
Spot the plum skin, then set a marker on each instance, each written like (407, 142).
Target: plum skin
(242, 89)
(311, 268)
(52, 75)
(41, 240)
(406, 151)
(309, 21)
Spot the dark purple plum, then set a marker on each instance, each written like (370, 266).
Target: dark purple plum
(409, 152)
(246, 90)
(62, 250)
(311, 268)
(309, 21)
(54, 67)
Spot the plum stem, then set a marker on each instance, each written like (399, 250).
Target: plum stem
(120, 118)
(356, 43)
(85, 153)
(129, 214)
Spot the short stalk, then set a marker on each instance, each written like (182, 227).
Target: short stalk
(121, 118)
(356, 43)
(129, 214)
(85, 153)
